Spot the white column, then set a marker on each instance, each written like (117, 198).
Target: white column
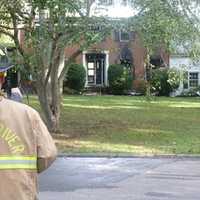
(85, 66)
(106, 67)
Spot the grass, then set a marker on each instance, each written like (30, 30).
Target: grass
(122, 124)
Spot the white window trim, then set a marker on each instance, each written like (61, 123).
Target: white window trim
(189, 87)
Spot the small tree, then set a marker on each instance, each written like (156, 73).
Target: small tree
(163, 25)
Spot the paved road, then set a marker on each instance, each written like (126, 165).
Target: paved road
(122, 179)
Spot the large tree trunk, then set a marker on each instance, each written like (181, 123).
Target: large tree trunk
(50, 106)
(148, 75)
(48, 87)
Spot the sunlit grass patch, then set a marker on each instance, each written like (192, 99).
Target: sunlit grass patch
(185, 105)
(82, 146)
(101, 107)
(122, 124)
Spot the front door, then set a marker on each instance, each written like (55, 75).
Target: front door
(96, 68)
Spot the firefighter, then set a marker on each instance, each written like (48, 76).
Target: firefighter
(26, 149)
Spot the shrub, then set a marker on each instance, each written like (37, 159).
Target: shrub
(120, 79)
(75, 78)
(193, 92)
(165, 81)
(159, 82)
(174, 78)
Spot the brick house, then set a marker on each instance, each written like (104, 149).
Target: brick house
(119, 48)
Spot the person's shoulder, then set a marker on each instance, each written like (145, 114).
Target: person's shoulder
(17, 106)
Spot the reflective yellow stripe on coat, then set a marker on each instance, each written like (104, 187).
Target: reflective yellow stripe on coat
(18, 162)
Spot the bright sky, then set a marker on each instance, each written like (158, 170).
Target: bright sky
(120, 11)
(114, 11)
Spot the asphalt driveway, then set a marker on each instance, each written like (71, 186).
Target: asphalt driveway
(121, 179)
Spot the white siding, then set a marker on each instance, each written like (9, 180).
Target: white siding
(185, 64)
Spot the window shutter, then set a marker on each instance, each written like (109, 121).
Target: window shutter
(116, 36)
(132, 35)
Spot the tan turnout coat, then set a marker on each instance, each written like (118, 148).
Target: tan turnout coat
(26, 148)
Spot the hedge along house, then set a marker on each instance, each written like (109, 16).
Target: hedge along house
(121, 47)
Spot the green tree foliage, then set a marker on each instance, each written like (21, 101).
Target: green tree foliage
(120, 79)
(166, 25)
(75, 78)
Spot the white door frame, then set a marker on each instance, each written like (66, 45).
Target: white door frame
(106, 65)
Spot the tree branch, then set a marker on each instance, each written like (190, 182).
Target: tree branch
(75, 8)
(51, 62)
(70, 60)
(6, 27)
(3, 49)
(15, 36)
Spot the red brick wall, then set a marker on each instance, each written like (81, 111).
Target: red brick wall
(114, 48)
(139, 57)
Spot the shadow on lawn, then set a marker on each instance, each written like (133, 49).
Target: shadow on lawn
(142, 141)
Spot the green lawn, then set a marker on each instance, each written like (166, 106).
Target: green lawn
(122, 124)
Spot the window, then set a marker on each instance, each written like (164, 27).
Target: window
(91, 72)
(95, 28)
(196, 62)
(124, 36)
(106, 2)
(157, 61)
(193, 79)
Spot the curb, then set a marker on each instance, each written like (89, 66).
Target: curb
(100, 155)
